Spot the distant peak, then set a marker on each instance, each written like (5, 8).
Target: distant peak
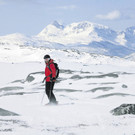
(57, 24)
(88, 23)
(131, 28)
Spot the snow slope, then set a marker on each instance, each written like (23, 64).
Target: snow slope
(89, 87)
(131, 57)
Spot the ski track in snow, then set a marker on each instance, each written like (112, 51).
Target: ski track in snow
(88, 88)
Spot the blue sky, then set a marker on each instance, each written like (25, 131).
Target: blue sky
(29, 17)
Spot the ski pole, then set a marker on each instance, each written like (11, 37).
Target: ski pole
(42, 98)
(50, 92)
(44, 92)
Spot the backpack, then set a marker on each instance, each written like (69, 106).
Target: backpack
(57, 69)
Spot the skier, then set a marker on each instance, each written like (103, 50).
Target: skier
(50, 73)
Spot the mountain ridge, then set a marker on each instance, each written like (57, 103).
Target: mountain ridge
(79, 35)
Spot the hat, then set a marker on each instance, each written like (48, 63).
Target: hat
(46, 56)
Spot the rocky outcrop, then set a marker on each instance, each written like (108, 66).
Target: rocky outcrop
(7, 113)
(124, 109)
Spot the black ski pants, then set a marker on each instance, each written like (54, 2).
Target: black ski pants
(49, 91)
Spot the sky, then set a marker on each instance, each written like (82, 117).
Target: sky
(29, 17)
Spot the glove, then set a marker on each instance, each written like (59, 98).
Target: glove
(53, 79)
(50, 75)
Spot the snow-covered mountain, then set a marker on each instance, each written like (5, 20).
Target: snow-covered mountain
(82, 36)
(86, 32)
(15, 39)
(130, 37)
(77, 33)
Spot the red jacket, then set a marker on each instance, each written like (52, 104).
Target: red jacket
(48, 72)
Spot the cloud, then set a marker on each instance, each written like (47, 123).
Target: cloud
(67, 7)
(110, 16)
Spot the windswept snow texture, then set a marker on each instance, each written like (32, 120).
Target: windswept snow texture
(89, 87)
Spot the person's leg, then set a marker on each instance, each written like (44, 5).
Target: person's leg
(52, 98)
(47, 90)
